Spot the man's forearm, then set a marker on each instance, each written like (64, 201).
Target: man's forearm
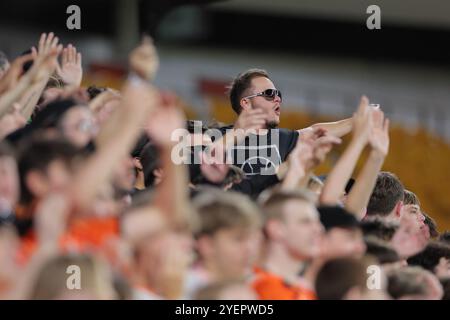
(31, 98)
(337, 179)
(338, 128)
(172, 195)
(13, 95)
(362, 190)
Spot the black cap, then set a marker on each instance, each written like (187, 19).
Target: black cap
(337, 217)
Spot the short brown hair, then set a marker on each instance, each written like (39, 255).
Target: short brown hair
(214, 290)
(379, 228)
(432, 225)
(388, 191)
(406, 281)
(50, 281)
(273, 204)
(338, 276)
(241, 84)
(410, 198)
(218, 210)
(429, 257)
(6, 150)
(381, 250)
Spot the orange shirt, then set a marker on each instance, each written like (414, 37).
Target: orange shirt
(270, 286)
(83, 234)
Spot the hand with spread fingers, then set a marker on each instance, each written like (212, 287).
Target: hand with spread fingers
(144, 60)
(70, 70)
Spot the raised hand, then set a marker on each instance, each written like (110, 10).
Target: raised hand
(10, 79)
(44, 65)
(322, 146)
(70, 70)
(379, 135)
(144, 60)
(308, 154)
(46, 44)
(253, 119)
(163, 122)
(362, 120)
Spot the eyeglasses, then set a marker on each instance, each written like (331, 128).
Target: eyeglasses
(268, 94)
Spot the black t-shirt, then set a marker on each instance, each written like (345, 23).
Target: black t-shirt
(259, 156)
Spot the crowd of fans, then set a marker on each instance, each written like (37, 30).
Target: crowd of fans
(94, 179)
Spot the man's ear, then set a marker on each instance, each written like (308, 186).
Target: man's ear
(158, 173)
(36, 183)
(274, 229)
(398, 209)
(246, 104)
(204, 246)
(137, 163)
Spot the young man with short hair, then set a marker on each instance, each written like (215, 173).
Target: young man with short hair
(227, 241)
(411, 206)
(343, 236)
(347, 279)
(254, 97)
(292, 239)
(386, 200)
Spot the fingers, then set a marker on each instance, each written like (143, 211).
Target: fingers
(54, 42)
(386, 126)
(378, 118)
(329, 140)
(65, 56)
(71, 55)
(47, 42)
(364, 102)
(34, 52)
(319, 132)
(20, 61)
(147, 40)
(42, 42)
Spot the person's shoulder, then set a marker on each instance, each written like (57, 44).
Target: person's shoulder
(287, 131)
(223, 129)
(270, 286)
(265, 278)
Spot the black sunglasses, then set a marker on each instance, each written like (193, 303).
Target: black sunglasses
(268, 94)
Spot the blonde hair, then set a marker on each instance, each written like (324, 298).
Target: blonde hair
(52, 278)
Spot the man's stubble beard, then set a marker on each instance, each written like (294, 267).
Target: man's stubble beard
(272, 124)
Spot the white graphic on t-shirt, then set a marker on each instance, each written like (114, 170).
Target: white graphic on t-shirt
(259, 162)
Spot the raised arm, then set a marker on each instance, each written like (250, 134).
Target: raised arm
(342, 171)
(307, 155)
(69, 71)
(31, 97)
(337, 128)
(43, 66)
(143, 63)
(172, 194)
(117, 138)
(138, 101)
(359, 196)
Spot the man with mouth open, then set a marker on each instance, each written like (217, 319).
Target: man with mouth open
(257, 102)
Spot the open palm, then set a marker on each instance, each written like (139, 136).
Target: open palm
(379, 135)
(70, 70)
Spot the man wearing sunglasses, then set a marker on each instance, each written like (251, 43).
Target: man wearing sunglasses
(255, 98)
